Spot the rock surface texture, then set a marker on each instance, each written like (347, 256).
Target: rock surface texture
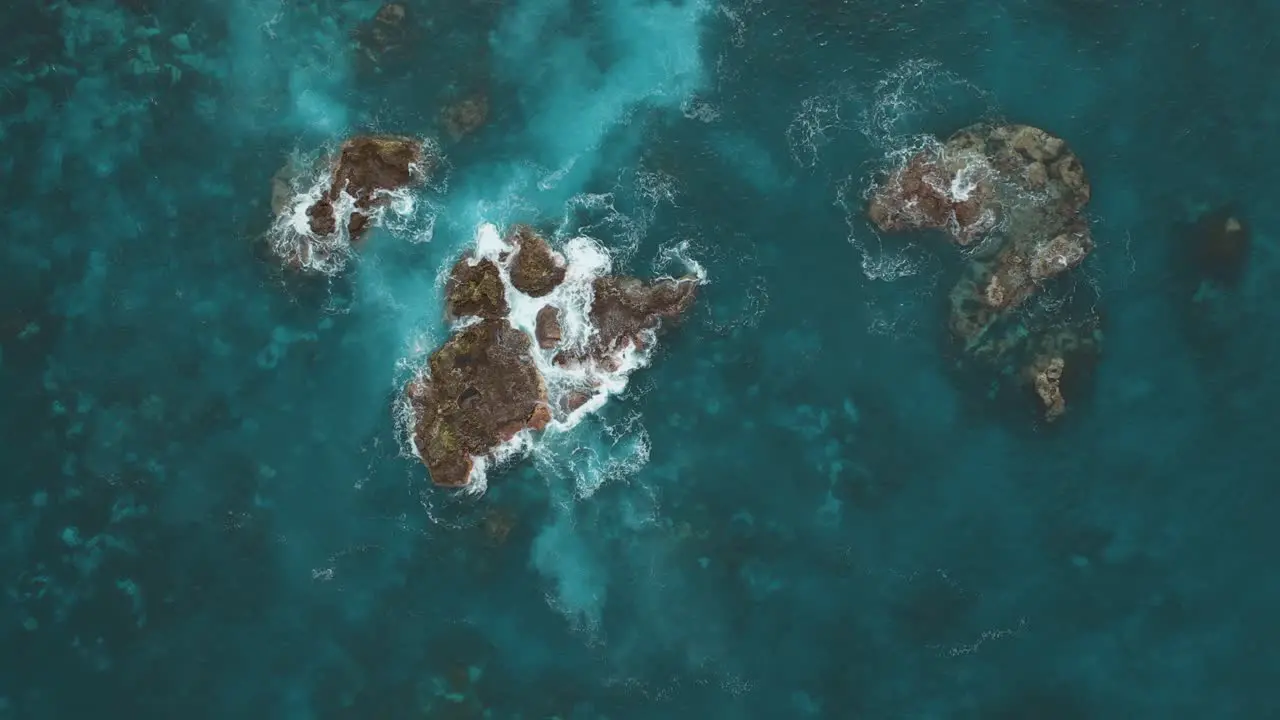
(536, 269)
(475, 289)
(484, 387)
(502, 373)
(1013, 196)
(367, 168)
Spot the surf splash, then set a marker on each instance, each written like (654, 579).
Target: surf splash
(323, 208)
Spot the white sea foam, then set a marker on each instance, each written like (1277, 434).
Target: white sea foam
(584, 260)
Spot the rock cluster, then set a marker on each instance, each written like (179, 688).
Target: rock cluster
(367, 168)
(1014, 195)
(484, 385)
(535, 268)
(483, 389)
(475, 289)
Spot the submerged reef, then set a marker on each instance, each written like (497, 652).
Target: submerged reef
(337, 210)
(539, 338)
(1213, 257)
(1013, 197)
(384, 41)
(1218, 246)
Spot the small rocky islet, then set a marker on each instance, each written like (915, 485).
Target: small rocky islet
(1013, 197)
(486, 383)
(361, 177)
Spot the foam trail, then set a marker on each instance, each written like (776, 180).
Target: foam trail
(281, 49)
(578, 95)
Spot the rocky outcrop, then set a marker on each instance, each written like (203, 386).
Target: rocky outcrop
(938, 191)
(547, 327)
(625, 310)
(475, 289)
(1014, 178)
(1046, 375)
(536, 269)
(367, 168)
(1063, 348)
(1015, 195)
(484, 388)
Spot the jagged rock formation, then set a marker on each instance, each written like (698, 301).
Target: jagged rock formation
(1014, 195)
(484, 385)
(1056, 352)
(367, 168)
(626, 310)
(536, 269)
(548, 327)
(475, 289)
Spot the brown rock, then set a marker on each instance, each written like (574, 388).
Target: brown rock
(918, 196)
(1034, 143)
(475, 290)
(1047, 374)
(367, 167)
(1037, 175)
(547, 327)
(625, 308)
(575, 399)
(535, 270)
(1062, 253)
(483, 388)
(322, 217)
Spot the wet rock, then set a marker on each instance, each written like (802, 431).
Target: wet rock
(1220, 243)
(626, 310)
(536, 269)
(939, 192)
(483, 389)
(548, 327)
(1047, 374)
(465, 116)
(1021, 191)
(981, 177)
(368, 167)
(574, 400)
(1022, 267)
(475, 289)
(1054, 353)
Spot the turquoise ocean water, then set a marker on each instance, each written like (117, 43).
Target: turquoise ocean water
(805, 507)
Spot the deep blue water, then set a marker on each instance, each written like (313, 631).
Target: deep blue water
(801, 509)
